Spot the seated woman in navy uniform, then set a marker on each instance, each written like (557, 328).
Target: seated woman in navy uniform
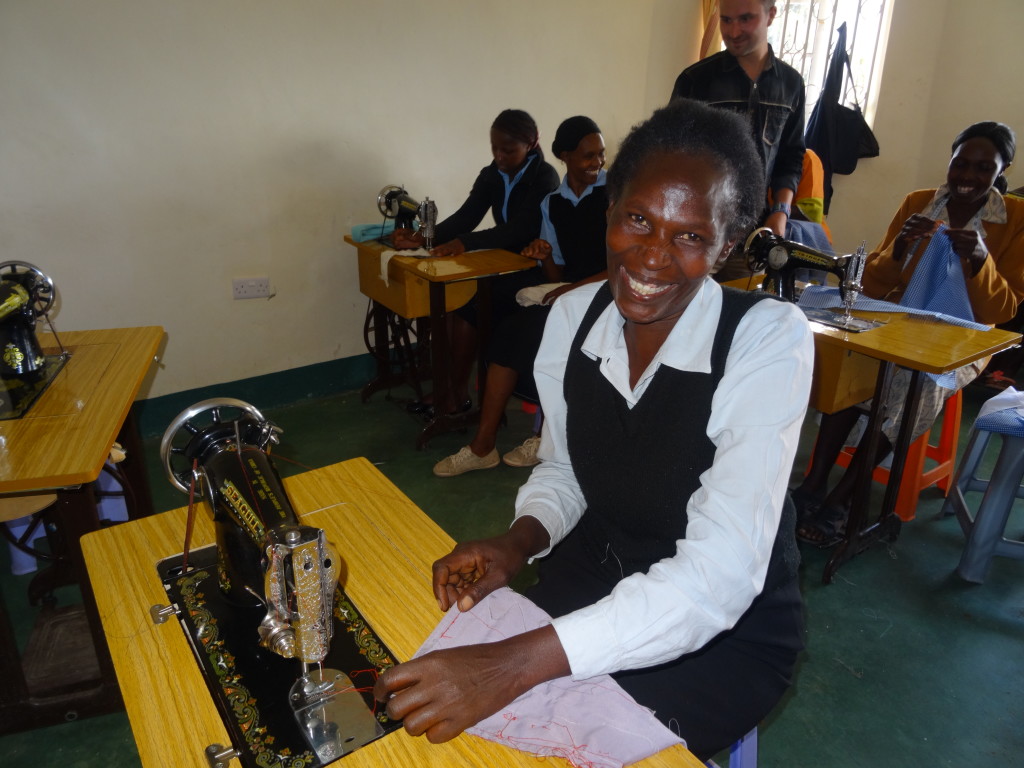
(571, 251)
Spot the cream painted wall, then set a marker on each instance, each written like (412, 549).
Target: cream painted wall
(948, 64)
(152, 151)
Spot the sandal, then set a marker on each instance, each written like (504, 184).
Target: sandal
(821, 535)
(824, 529)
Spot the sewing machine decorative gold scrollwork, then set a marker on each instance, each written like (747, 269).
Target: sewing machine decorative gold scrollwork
(266, 594)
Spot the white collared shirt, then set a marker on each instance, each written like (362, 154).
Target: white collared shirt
(682, 602)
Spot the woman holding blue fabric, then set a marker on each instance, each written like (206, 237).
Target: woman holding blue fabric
(969, 216)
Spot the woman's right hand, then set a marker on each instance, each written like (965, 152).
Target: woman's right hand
(914, 228)
(474, 569)
(406, 238)
(538, 249)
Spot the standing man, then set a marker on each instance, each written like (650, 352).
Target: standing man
(747, 78)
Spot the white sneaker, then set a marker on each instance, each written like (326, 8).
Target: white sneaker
(524, 455)
(465, 461)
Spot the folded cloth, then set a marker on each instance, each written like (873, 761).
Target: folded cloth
(364, 232)
(592, 723)
(534, 294)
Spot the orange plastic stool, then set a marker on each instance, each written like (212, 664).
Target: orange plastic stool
(915, 477)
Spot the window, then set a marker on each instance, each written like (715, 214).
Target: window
(804, 32)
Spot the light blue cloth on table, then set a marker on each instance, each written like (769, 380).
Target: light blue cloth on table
(364, 232)
(824, 296)
(820, 297)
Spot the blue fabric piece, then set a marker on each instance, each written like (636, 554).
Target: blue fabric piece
(809, 233)
(938, 283)
(1008, 421)
(362, 233)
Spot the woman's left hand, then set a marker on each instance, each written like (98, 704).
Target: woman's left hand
(451, 248)
(968, 245)
(444, 692)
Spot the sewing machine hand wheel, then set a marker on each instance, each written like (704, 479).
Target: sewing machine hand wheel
(41, 289)
(193, 421)
(384, 199)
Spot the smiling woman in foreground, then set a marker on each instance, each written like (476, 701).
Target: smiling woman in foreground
(673, 408)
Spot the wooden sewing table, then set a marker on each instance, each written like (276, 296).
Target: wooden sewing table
(61, 445)
(418, 287)
(844, 367)
(387, 545)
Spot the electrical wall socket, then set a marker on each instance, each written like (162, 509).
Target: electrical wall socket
(250, 287)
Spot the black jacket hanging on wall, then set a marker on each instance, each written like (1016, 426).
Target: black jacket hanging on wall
(838, 134)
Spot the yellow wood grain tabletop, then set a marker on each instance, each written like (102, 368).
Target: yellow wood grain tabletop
(918, 342)
(65, 437)
(387, 545)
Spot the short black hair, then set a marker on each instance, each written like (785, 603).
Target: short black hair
(692, 127)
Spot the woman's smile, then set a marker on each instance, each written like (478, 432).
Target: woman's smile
(644, 288)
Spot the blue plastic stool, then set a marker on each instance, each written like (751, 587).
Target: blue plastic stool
(984, 529)
(742, 754)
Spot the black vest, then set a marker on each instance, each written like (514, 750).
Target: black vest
(638, 467)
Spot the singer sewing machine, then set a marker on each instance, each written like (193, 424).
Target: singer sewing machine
(286, 656)
(26, 294)
(781, 259)
(395, 203)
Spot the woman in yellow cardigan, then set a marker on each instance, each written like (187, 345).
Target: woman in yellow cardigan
(986, 231)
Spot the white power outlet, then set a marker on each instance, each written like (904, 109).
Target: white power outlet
(250, 287)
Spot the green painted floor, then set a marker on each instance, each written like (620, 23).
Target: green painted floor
(905, 664)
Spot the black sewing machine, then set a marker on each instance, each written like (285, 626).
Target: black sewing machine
(781, 259)
(395, 203)
(286, 656)
(26, 294)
